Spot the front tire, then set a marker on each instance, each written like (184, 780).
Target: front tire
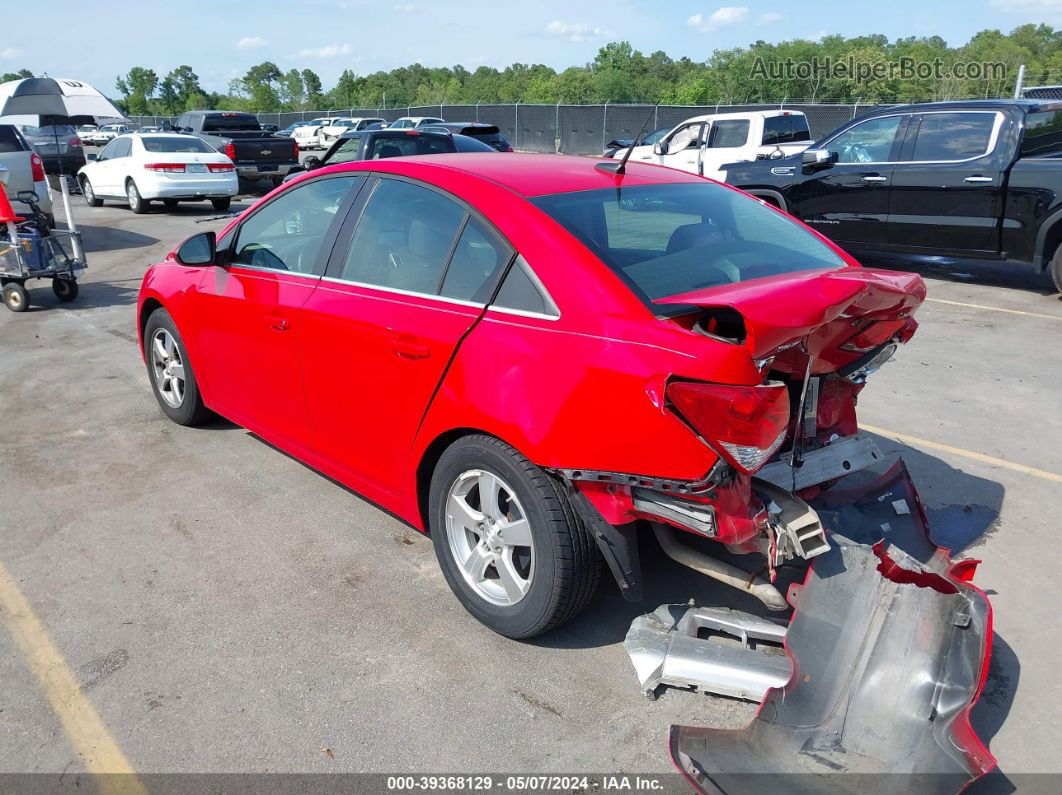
(508, 542)
(1056, 268)
(170, 371)
(137, 203)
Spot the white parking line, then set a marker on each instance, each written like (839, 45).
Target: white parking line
(994, 309)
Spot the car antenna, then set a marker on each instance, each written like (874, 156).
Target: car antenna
(621, 167)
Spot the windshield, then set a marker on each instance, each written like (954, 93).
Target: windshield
(663, 240)
(176, 143)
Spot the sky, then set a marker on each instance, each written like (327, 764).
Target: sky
(220, 40)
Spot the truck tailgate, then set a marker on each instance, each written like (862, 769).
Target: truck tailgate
(265, 150)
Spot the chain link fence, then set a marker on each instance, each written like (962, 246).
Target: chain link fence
(1042, 92)
(569, 129)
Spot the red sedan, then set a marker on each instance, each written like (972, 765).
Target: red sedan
(532, 356)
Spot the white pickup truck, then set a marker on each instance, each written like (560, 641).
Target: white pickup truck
(704, 144)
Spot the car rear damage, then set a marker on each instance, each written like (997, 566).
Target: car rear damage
(888, 643)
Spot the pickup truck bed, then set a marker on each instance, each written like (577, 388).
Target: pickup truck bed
(256, 154)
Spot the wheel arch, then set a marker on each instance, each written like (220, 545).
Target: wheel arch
(149, 305)
(1048, 238)
(771, 196)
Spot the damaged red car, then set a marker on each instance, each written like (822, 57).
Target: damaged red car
(527, 356)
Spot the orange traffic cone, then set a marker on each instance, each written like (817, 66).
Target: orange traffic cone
(7, 213)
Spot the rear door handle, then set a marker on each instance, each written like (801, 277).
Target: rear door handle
(977, 178)
(874, 179)
(409, 346)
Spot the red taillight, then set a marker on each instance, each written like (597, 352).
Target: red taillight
(296, 145)
(37, 168)
(215, 167)
(230, 151)
(412, 132)
(168, 168)
(74, 143)
(872, 335)
(745, 424)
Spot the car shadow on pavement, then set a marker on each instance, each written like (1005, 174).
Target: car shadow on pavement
(110, 238)
(990, 274)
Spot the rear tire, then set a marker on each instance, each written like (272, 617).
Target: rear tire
(65, 290)
(89, 195)
(16, 298)
(1056, 268)
(559, 570)
(221, 205)
(137, 203)
(164, 351)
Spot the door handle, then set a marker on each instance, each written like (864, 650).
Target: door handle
(977, 178)
(874, 179)
(410, 347)
(279, 323)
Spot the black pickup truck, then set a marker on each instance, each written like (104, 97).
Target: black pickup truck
(257, 154)
(935, 183)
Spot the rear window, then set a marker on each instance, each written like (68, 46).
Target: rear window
(1043, 134)
(217, 122)
(785, 129)
(404, 145)
(175, 143)
(48, 129)
(9, 140)
(663, 240)
(486, 130)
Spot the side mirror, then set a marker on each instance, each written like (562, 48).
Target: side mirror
(311, 162)
(818, 158)
(91, 156)
(660, 148)
(199, 249)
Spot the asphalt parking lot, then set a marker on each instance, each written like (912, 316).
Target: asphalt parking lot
(227, 609)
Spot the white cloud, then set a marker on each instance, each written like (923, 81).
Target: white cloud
(573, 31)
(328, 51)
(769, 18)
(727, 15)
(251, 42)
(406, 8)
(10, 52)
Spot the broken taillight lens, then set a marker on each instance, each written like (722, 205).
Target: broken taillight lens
(745, 424)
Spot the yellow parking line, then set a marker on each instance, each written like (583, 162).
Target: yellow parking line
(995, 309)
(83, 726)
(947, 448)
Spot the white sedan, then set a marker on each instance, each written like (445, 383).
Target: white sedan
(138, 169)
(306, 135)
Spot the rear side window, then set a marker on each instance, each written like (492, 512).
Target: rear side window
(523, 292)
(1043, 134)
(9, 140)
(404, 238)
(728, 133)
(663, 240)
(953, 136)
(785, 129)
(478, 259)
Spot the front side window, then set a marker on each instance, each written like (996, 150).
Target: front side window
(109, 150)
(287, 233)
(728, 134)
(953, 136)
(663, 240)
(688, 137)
(404, 238)
(123, 147)
(870, 141)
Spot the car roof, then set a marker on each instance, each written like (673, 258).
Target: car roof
(529, 174)
(1028, 105)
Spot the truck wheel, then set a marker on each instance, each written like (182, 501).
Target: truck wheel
(1056, 268)
(509, 544)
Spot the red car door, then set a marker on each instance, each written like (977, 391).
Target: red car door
(249, 308)
(383, 325)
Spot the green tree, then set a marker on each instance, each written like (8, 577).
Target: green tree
(312, 86)
(21, 74)
(137, 87)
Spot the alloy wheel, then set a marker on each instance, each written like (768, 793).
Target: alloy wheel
(168, 367)
(490, 537)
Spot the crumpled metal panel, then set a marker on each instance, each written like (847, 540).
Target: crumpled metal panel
(890, 649)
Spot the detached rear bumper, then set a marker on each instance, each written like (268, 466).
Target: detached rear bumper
(890, 646)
